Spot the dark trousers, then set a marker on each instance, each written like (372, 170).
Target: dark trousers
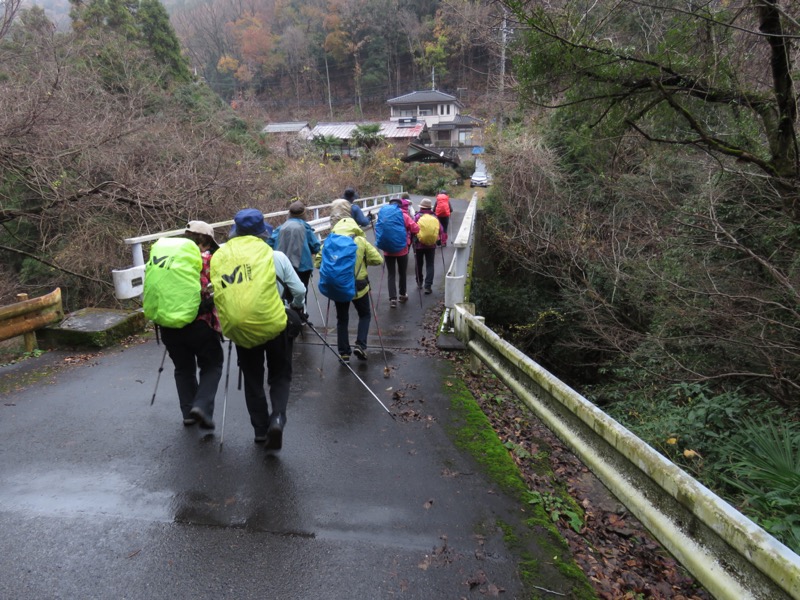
(278, 354)
(445, 221)
(427, 256)
(192, 347)
(305, 277)
(343, 321)
(400, 264)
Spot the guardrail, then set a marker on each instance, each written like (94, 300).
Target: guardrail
(129, 282)
(26, 316)
(455, 282)
(728, 554)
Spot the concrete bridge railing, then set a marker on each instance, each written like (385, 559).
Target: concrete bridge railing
(129, 282)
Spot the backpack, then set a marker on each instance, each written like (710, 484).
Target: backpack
(250, 309)
(428, 229)
(337, 272)
(390, 229)
(442, 208)
(172, 282)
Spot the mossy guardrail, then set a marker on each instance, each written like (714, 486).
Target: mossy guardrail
(28, 315)
(725, 551)
(129, 282)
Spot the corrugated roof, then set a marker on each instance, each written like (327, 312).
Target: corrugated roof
(344, 131)
(392, 130)
(288, 127)
(423, 97)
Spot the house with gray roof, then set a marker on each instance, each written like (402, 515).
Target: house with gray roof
(445, 126)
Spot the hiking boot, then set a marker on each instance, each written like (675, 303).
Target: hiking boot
(275, 432)
(392, 303)
(189, 421)
(345, 358)
(260, 438)
(360, 353)
(202, 418)
(403, 298)
(428, 290)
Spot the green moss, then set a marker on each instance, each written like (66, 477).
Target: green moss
(473, 433)
(16, 381)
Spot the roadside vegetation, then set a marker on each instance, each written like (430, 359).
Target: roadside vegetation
(647, 234)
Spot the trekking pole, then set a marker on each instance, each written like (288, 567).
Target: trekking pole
(325, 342)
(319, 306)
(225, 397)
(386, 370)
(322, 362)
(161, 368)
(418, 275)
(380, 286)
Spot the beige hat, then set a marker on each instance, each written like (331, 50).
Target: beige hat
(297, 208)
(426, 203)
(202, 228)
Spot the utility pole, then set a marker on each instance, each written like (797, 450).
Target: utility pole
(328, 76)
(503, 40)
(502, 84)
(433, 78)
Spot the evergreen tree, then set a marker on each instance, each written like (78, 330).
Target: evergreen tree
(158, 34)
(145, 24)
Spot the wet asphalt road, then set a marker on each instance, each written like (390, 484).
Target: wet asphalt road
(104, 496)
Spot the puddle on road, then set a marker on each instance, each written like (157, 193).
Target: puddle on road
(69, 494)
(78, 495)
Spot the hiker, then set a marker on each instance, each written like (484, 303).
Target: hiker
(177, 281)
(298, 241)
(249, 279)
(405, 204)
(393, 231)
(355, 210)
(442, 209)
(343, 279)
(340, 209)
(429, 237)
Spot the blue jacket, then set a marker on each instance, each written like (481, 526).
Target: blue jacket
(297, 240)
(358, 216)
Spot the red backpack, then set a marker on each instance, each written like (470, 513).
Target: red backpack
(442, 208)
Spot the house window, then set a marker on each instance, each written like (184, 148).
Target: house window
(425, 112)
(444, 109)
(405, 112)
(464, 137)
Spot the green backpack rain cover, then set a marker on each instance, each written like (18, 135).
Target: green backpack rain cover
(172, 282)
(250, 309)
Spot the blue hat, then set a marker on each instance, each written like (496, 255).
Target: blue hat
(250, 221)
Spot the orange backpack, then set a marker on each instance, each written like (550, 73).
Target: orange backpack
(442, 205)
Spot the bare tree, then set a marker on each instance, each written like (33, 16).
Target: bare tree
(8, 10)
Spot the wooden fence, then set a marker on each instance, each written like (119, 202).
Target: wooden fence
(26, 316)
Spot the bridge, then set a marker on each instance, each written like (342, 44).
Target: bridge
(104, 496)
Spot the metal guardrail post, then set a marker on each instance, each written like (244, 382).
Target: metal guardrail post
(727, 553)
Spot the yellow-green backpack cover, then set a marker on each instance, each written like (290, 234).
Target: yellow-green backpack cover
(171, 294)
(250, 309)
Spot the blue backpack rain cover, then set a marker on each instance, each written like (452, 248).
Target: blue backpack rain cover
(337, 272)
(390, 229)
